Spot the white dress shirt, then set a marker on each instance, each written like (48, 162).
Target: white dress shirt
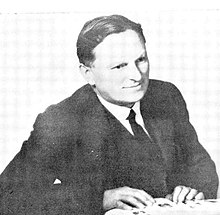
(122, 112)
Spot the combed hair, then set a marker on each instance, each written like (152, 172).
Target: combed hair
(96, 30)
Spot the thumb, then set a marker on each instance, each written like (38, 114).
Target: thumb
(169, 196)
(122, 205)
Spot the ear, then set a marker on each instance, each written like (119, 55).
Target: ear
(87, 74)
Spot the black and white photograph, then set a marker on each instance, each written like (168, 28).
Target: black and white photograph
(110, 108)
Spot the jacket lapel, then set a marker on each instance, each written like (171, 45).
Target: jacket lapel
(160, 128)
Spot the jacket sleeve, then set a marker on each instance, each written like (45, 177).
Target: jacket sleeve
(193, 167)
(27, 184)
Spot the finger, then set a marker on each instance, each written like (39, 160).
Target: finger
(176, 193)
(122, 205)
(144, 197)
(169, 197)
(131, 200)
(200, 196)
(140, 195)
(184, 192)
(164, 201)
(191, 195)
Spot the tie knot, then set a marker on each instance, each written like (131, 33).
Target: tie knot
(131, 116)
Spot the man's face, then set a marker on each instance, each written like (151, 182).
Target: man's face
(120, 71)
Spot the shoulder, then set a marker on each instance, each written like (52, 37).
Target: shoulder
(70, 110)
(163, 97)
(162, 90)
(158, 86)
(77, 102)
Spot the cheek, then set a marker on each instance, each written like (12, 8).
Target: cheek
(144, 68)
(114, 80)
(101, 79)
(107, 84)
(107, 81)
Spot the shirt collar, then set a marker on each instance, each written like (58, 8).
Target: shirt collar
(120, 112)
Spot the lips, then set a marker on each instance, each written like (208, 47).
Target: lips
(134, 85)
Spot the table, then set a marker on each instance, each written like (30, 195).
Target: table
(201, 207)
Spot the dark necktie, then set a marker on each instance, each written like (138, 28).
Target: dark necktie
(141, 136)
(138, 131)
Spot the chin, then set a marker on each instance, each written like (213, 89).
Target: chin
(130, 101)
(137, 97)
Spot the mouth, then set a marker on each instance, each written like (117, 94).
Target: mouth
(133, 86)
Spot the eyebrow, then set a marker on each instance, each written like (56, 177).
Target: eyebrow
(144, 54)
(120, 64)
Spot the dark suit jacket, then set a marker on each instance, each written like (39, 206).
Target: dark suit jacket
(84, 146)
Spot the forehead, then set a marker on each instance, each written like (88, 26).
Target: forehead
(119, 47)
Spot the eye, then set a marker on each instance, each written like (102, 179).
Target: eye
(141, 59)
(119, 66)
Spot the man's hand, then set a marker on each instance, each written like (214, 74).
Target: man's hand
(182, 193)
(126, 198)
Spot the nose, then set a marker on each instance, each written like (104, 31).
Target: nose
(134, 72)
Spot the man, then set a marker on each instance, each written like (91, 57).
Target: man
(120, 141)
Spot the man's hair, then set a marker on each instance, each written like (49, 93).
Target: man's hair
(96, 30)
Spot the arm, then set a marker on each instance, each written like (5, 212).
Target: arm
(26, 185)
(194, 167)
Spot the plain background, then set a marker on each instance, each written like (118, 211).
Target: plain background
(39, 66)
